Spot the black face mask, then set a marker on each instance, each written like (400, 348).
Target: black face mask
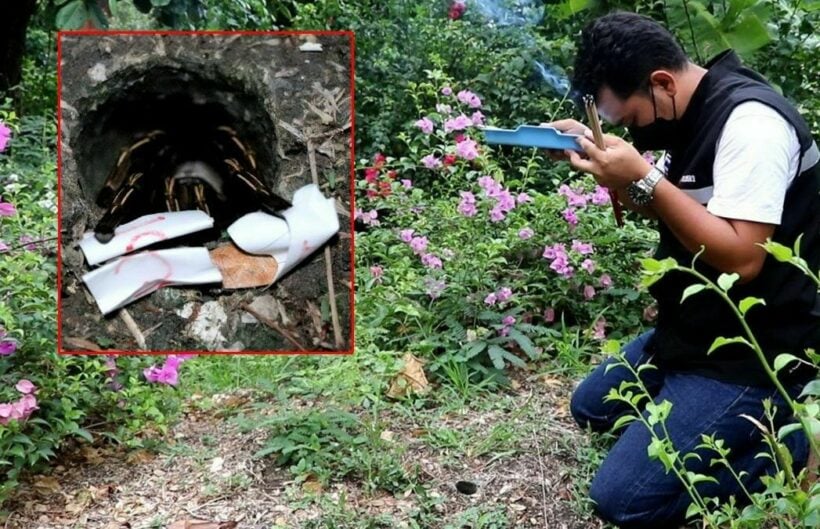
(659, 135)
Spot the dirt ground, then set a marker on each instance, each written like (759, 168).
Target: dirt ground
(206, 472)
(290, 105)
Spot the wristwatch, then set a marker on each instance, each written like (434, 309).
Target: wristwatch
(641, 191)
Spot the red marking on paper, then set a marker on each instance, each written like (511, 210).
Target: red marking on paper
(147, 222)
(158, 234)
(306, 248)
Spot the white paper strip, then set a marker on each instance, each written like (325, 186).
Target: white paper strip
(144, 231)
(129, 278)
(308, 224)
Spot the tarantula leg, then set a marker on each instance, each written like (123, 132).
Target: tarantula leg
(147, 145)
(234, 141)
(199, 197)
(124, 201)
(269, 201)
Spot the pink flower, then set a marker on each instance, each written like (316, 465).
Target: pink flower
(522, 198)
(554, 251)
(407, 184)
(406, 235)
(649, 156)
(508, 320)
(505, 331)
(605, 281)
(599, 329)
(377, 272)
(431, 161)
(467, 149)
(490, 186)
(447, 91)
(27, 240)
(418, 244)
(525, 233)
(458, 123)
(3, 246)
(504, 293)
(7, 346)
(582, 247)
(490, 299)
(430, 261)
(25, 386)
(469, 98)
(588, 265)
(549, 315)
(600, 196)
(467, 205)
(570, 217)
(425, 125)
(497, 214)
(434, 287)
(367, 217)
(5, 135)
(6, 410)
(7, 210)
(589, 292)
(477, 118)
(164, 375)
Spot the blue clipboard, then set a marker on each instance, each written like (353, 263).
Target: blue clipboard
(532, 136)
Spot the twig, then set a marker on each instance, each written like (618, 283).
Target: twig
(132, 326)
(330, 132)
(543, 481)
(331, 290)
(23, 245)
(273, 325)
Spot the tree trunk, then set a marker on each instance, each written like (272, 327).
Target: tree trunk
(13, 25)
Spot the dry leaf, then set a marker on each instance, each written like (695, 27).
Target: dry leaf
(386, 435)
(81, 344)
(217, 464)
(47, 485)
(411, 378)
(140, 456)
(243, 270)
(201, 524)
(91, 455)
(312, 485)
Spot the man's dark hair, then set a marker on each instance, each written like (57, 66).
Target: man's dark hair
(620, 50)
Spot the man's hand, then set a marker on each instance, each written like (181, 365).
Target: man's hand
(567, 126)
(616, 167)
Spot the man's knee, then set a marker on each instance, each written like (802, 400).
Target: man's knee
(618, 502)
(588, 408)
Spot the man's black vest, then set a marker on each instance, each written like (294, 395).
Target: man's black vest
(790, 320)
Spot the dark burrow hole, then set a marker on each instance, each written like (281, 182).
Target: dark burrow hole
(189, 102)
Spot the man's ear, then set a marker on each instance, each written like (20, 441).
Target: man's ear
(665, 80)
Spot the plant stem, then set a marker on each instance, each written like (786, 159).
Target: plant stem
(758, 351)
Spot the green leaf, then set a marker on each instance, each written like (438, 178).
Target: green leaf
(811, 389)
(787, 429)
(691, 290)
(524, 342)
(725, 281)
(72, 15)
(720, 341)
(160, 3)
(497, 356)
(749, 35)
(474, 349)
(783, 360)
(622, 421)
(747, 303)
(700, 478)
(778, 251)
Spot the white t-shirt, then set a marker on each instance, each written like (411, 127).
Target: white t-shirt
(756, 159)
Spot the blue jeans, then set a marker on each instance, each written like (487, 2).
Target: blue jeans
(634, 492)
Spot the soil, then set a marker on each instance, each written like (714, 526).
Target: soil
(206, 471)
(117, 87)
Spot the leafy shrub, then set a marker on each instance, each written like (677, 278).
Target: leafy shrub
(330, 445)
(483, 265)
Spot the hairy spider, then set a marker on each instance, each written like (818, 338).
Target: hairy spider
(211, 170)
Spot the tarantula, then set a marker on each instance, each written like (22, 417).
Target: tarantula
(211, 170)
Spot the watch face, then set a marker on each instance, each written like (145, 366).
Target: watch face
(638, 195)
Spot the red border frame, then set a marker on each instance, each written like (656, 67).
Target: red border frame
(352, 40)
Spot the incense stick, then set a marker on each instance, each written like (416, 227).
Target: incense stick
(598, 136)
(594, 121)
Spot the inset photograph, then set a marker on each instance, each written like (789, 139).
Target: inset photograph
(205, 192)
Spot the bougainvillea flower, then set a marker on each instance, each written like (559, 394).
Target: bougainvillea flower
(25, 386)
(7, 210)
(469, 98)
(467, 149)
(431, 161)
(5, 136)
(7, 346)
(425, 125)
